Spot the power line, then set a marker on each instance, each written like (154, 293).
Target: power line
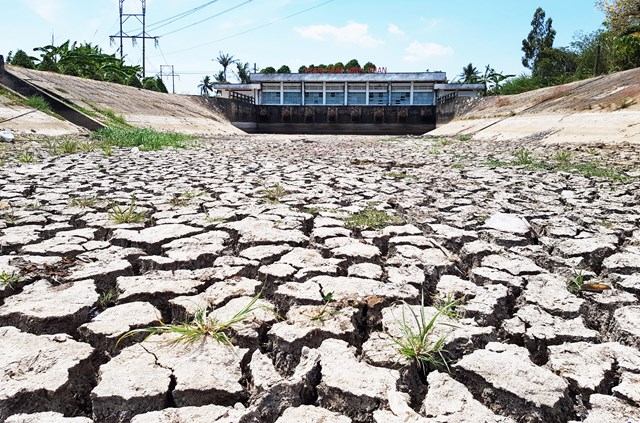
(209, 18)
(172, 19)
(252, 29)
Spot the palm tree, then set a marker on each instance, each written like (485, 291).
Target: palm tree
(220, 78)
(470, 75)
(225, 61)
(205, 86)
(244, 73)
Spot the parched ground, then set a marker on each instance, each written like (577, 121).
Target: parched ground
(502, 226)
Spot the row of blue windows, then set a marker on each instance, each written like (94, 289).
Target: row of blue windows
(354, 98)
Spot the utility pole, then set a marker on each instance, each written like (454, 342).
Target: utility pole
(172, 75)
(142, 19)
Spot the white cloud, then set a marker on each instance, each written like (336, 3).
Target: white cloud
(352, 33)
(47, 9)
(417, 51)
(393, 29)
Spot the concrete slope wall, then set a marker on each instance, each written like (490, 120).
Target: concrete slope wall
(142, 108)
(602, 110)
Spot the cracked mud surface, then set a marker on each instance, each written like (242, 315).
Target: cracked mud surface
(269, 215)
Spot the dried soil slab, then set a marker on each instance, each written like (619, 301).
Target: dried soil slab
(426, 258)
(489, 276)
(309, 263)
(158, 286)
(550, 293)
(42, 373)
(311, 414)
(14, 237)
(308, 326)
(104, 266)
(486, 304)
(601, 308)
(594, 250)
(57, 246)
(343, 289)
(626, 326)
(204, 414)
(512, 263)
(349, 386)
(131, 383)
(197, 251)
(265, 254)
(104, 330)
(506, 380)
(626, 262)
(605, 408)
(46, 308)
(150, 239)
(260, 232)
(206, 372)
(357, 252)
(46, 417)
(540, 329)
(365, 270)
(216, 295)
(450, 401)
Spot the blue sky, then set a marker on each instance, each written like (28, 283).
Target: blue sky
(401, 35)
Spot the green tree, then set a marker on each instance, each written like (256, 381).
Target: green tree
(539, 39)
(268, 70)
(353, 63)
(134, 81)
(284, 69)
(205, 86)
(470, 75)
(150, 83)
(160, 87)
(225, 60)
(556, 66)
(243, 72)
(369, 67)
(220, 78)
(302, 69)
(621, 16)
(21, 58)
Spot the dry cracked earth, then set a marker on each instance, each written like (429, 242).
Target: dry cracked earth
(273, 216)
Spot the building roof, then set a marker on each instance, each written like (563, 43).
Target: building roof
(350, 77)
(237, 87)
(460, 87)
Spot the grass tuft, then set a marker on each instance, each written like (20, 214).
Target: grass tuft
(370, 218)
(200, 327)
(9, 280)
(128, 214)
(38, 102)
(417, 342)
(143, 138)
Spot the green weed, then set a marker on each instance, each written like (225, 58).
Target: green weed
(522, 158)
(562, 157)
(107, 298)
(399, 175)
(200, 327)
(83, 202)
(371, 219)
(575, 283)
(27, 157)
(9, 280)
(143, 138)
(417, 341)
(326, 311)
(128, 214)
(38, 102)
(274, 193)
(464, 138)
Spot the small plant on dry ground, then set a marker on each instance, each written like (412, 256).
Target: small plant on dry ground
(326, 311)
(128, 214)
(417, 342)
(200, 328)
(371, 218)
(27, 157)
(143, 138)
(9, 280)
(83, 202)
(274, 193)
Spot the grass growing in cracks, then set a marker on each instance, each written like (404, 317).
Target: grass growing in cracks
(417, 342)
(200, 327)
(143, 138)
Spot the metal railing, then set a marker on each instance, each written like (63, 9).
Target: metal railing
(242, 97)
(447, 98)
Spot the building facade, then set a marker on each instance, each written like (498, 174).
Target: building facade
(351, 89)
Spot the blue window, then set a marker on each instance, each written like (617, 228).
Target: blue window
(313, 98)
(424, 98)
(357, 98)
(271, 97)
(292, 97)
(378, 99)
(335, 98)
(400, 98)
